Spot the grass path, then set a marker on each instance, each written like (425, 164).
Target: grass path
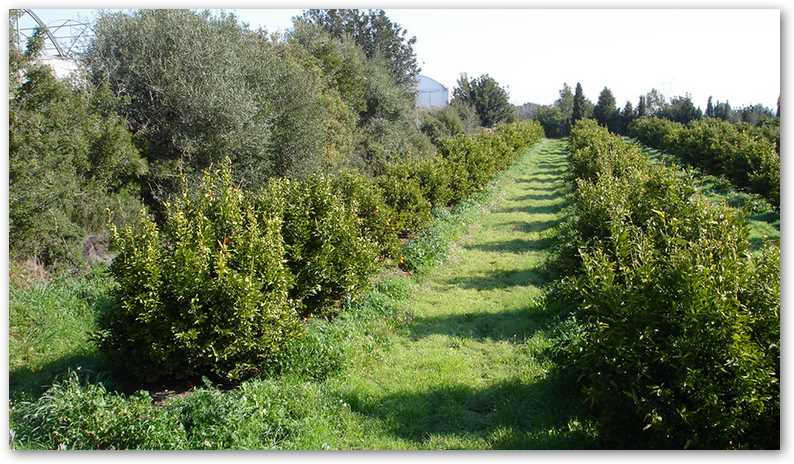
(468, 370)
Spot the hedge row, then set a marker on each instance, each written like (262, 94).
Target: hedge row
(675, 335)
(220, 286)
(718, 147)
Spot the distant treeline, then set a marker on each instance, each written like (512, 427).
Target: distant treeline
(558, 118)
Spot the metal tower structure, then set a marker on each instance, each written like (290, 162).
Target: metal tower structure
(63, 38)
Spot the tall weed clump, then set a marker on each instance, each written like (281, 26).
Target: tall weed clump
(205, 293)
(677, 334)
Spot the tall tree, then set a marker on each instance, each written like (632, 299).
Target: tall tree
(375, 33)
(709, 108)
(565, 102)
(628, 110)
(556, 118)
(655, 102)
(72, 163)
(777, 113)
(605, 110)
(642, 108)
(723, 110)
(681, 109)
(626, 116)
(578, 104)
(488, 98)
(755, 114)
(462, 91)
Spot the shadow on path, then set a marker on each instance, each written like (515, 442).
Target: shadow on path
(515, 325)
(534, 209)
(539, 196)
(501, 279)
(508, 414)
(517, 245)
(537, 226)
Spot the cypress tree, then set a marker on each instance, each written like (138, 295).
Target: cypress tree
(642, 110)
(578, 104)
(709, 108)
(626, 116)
(605, 110)
(628, 110)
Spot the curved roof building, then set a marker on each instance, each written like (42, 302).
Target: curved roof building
(430, 93)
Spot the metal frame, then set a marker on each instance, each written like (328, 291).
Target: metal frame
(64, 44)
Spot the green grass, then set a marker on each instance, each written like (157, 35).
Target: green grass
(49, 330)
(762, 217)
(451, 357)
(470, 370)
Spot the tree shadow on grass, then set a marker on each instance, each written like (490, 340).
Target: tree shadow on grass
(758, 243)
(27, 383)
(92, 366)
(501, 279)
(539, 182)
(515, 325)
(513, 246)
(553, 163)
(550, 171)
(771, 217)
(532, 226)
(510, 414)
(549, 165)
(534, 209)
(539, 196)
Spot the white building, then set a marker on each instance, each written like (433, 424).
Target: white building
(430, 93)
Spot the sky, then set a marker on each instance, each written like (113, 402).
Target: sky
(731, 54)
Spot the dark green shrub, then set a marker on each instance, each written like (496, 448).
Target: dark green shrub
(376, 217)
(205, 293)
(403, 193)
(329, 257)
(443, 123)
(434, 179)
(433, 128)
(676, 339)
(70, 159)
(454, 151)
(471, 163)
(718, 147)
(473, 160)
(466, 164)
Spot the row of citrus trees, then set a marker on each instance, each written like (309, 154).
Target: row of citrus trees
(219, 287)
(675, 336)
(719, 148)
